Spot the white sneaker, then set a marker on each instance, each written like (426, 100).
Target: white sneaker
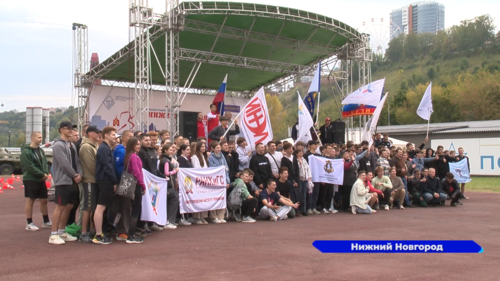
(333, 211)
(248, 219)
(32, 227)
(184, 222)
(284, 218)
(309, 212)
(56, 240)
(67, 237)
(386, 207)
(273, 218)
(156, 227)
(223, 221)
(47, 224)
(314, 211)
(353, 209)
(324, 211)
(170, 226)
(216, 221)
(204, 221)
(198, 221)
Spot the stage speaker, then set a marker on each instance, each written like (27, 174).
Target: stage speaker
(188, 125)
(339, 136)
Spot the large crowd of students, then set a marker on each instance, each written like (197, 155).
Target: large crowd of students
(275, 179)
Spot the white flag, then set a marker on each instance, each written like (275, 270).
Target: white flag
(371, 125)
(367, 95)
(305, 122)
(425, 108)
(316, 82)
(326, 170)
(154, 200)
(202, 189)
(255, 125)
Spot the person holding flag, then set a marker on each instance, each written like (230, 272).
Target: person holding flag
(217, 108)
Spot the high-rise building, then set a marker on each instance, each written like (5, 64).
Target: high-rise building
(420, 17)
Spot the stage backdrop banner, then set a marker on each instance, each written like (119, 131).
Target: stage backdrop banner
(202, 189)
(327, 170)
(154, 200)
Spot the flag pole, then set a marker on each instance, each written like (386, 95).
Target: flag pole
(317, 111)
(428, 124)
(232, 123)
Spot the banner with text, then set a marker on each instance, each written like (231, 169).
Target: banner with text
(326, 170)
(202, 189)
(154, 200)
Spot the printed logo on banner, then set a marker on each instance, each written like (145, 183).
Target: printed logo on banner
(108, 102)
(256, 120)
(188, 185)
(329, 167)
(154, 196)
(116, 122)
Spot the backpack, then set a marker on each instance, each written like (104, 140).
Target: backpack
(234, 201)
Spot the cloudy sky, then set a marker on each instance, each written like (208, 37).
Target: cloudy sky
(36, 44)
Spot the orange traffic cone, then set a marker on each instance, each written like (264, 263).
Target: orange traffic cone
(22, 186)
(5, 186)
(11, 187)
(47, 184)
(18, 179)
(1, 180)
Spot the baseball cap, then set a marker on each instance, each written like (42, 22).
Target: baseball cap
(93, 129)
(311, 142)
(328, 119)
(67, 124)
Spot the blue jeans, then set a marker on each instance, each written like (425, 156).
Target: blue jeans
(368, 210)
(303, 191)
(407, 198)
(428, 197)
(312, 199)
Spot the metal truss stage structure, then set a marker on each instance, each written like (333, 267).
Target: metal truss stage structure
(190, 47)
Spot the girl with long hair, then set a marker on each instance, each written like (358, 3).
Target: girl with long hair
(217, 159)
(168, 166)
(200, 160)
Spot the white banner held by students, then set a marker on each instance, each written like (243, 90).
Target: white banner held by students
(305, 122)
(327, 170)
(255, 125)
(202, 189)
(460, 170)
(368, 95)
(154, 200)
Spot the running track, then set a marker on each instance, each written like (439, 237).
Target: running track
(264, 250)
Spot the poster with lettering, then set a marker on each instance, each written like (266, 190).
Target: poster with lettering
(255, 125)
(326, 170)
(202, 189)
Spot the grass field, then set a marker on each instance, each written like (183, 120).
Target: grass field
(483, 184)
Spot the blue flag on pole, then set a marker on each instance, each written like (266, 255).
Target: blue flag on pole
(314, 88)
(461, 171)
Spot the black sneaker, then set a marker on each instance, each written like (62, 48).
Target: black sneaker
(85, 238)
(101, 239)
(304, 214)
(134, 239)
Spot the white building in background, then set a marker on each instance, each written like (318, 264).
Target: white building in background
(420, 17)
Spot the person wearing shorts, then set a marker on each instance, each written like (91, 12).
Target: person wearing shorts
(67, 174)
(106, 179)
(88, 151)
(36, 171)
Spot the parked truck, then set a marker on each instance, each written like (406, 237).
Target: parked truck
(10, 159)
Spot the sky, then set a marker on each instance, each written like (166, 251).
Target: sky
(36, 44)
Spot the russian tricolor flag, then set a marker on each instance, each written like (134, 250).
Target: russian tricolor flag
(220, 96)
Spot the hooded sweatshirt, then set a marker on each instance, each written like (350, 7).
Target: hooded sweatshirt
(62, 168)
(88, 151)
(35, 166)
(216, 160)
(119, 155)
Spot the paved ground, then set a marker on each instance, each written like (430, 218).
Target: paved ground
(264, 250)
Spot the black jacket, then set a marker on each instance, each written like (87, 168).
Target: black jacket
(184, 163)
(229, 160)
(149, 160)
(432, 185)
(260, 165)
(414, 185)
(293, 169)
(443, 166)
(350, 176)
(295, 131)
(412, 154)
(218, 132)
(372, 160)
(447, 186)
(105, 165)
(327, 134)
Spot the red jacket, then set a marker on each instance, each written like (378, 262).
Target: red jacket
(212, 122)
(201, 129)
(370, 187)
